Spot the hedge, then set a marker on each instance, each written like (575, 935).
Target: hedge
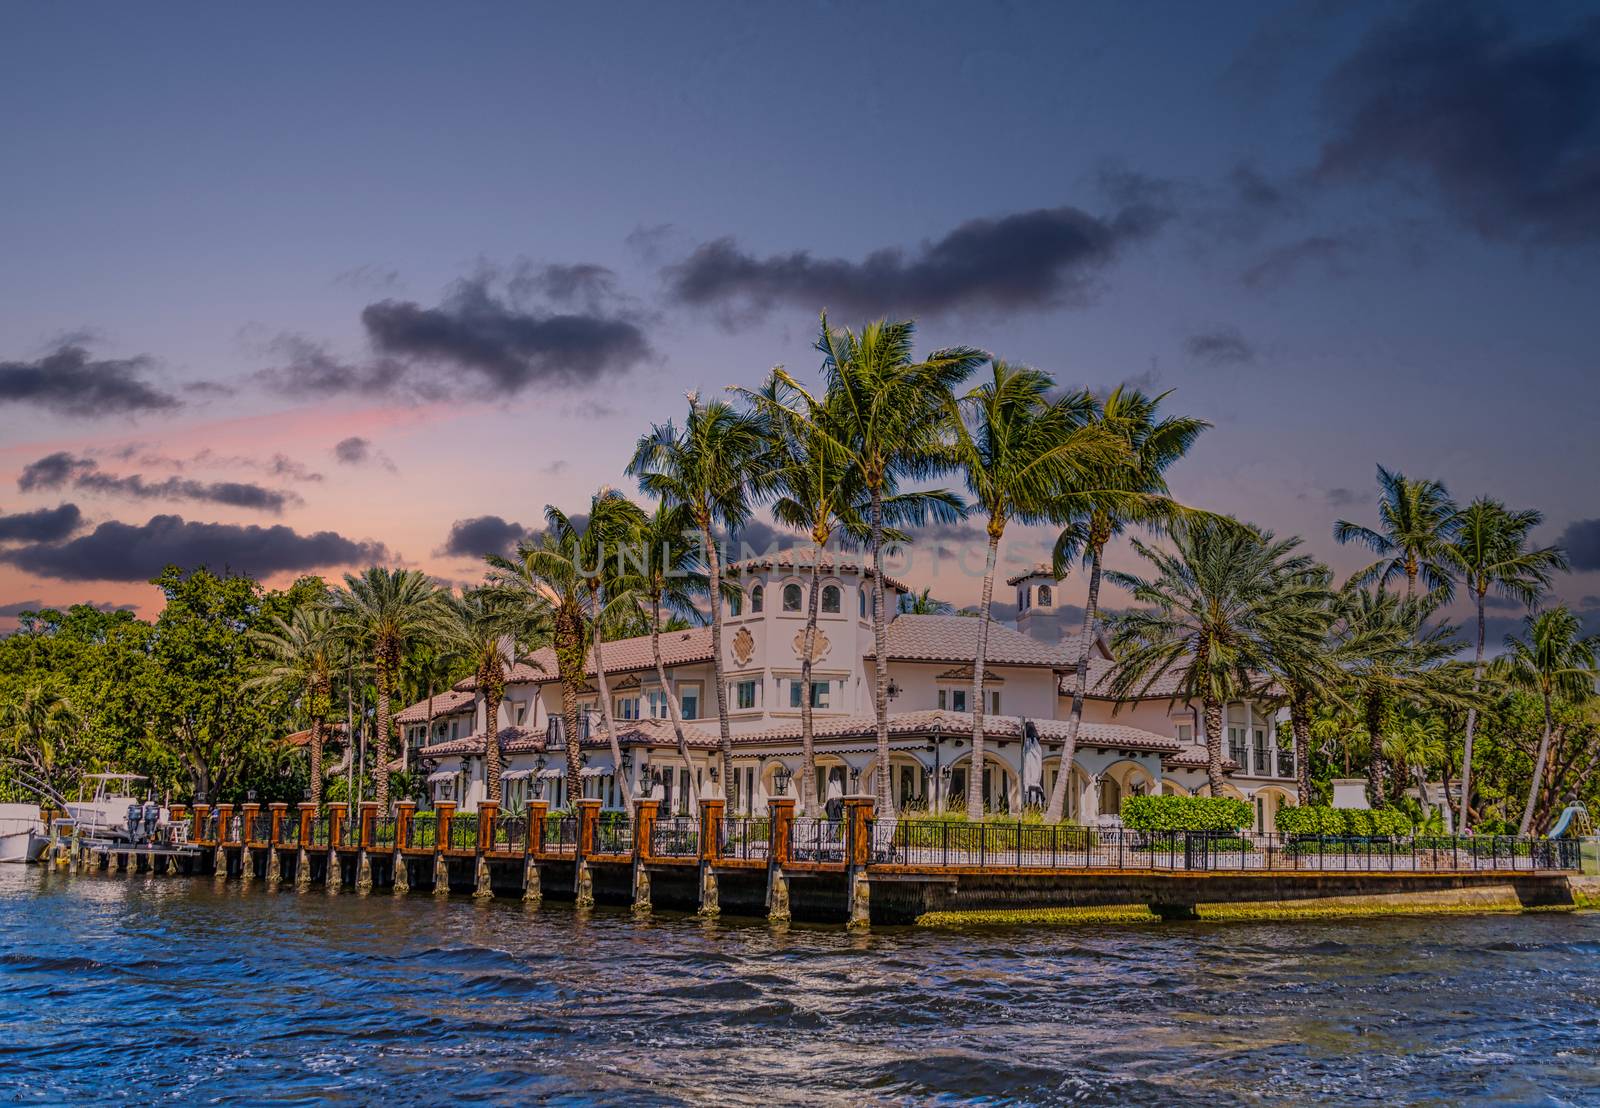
(1318, 820)
(1184, 813)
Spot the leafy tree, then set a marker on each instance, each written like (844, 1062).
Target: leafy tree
(1490, 550)
(35, 725)
(296, 658)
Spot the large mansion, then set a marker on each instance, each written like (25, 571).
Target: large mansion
(1148, 745)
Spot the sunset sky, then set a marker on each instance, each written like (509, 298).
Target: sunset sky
(290, 288)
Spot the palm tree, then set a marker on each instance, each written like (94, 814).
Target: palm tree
(667, 579)
(1133, 493)
(1218, 604)
(484, 627)
(298, 658)
(1417, 522)
(708, 468)
(1336, 726)
(384, 611)
(890, 424)
(1392, 657)
(924, 603)
(35, 724)
(1302, 662)
(546, 580)
(814, 489)
(1416, 742)
(613, 519)
(1017, 449)
(1490, 550)
(1553, 658)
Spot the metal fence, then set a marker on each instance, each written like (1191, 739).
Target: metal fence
(511, 834)
(350, 831)
(678, 837)
(1041, 846)
(560, 834)
(261, 827)
(818, 840)
(383, 830)
(748, 838)
(289, 830)
(319, 831)
(463, 832)
(422, 833)
(613, 833)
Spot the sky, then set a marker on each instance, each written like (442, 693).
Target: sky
(294, 288)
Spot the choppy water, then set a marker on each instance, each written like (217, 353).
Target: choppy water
(153, 989)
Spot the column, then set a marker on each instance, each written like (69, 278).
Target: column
(224, 826)
(446, 810)
(369, 813)
(483, 888)
(588, 819)
(279, 811)
(644, 824)
(307, 813)
(711, 810)
(405, 812)
(858, 851)
(781, 811)
(532, 888)
(338, 812)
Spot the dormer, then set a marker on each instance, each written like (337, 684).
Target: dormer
(1038, 603)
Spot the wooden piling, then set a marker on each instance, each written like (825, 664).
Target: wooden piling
(446, 810)
(711, 809)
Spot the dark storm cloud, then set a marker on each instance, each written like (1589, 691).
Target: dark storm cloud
(20, 606)
(1028, 260)
(44, 525)
(480, 535)
(566, 284)
(69, 382)
(1281, 263)
(1220, 346)
(309, 369)
(1343, 497)
(60, 469)
(1581, 540)
(1503, 128)
(505, 347)
(116, 551)
(352, 451)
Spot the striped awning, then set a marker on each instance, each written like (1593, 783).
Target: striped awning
(516, 775)
(441, 775)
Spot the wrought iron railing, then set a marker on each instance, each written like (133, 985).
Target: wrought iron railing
(235, 829)
(289, 829)
(678, 837)
(613, 833)
(748, 838)
(383, 832)
(319, 831)
(464, 832)
(261, 828)
(560, 834)
(422, 833)
(350, 831)
(818, 840)
(511, 834)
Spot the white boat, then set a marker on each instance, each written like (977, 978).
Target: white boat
(105, 816)
(22, 837)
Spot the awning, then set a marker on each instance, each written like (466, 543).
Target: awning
(442, 775)
(593, 771)
(552, 774)
(516, 774)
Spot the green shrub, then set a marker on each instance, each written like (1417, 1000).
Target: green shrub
(1184, 813)
(1310, 819)
(1360, 822)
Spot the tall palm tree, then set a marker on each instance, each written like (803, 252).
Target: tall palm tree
(486, 628)
(546, 579)
(814, 489)
(1392, 656)
(709, 468)
(1301, 660)
(1133, 493)
(1416, 525)
(666, 580)
(1018, 449)
(384, 611)
(35, 724)
(613, 520)
(1217, 604)
(1552, 658)
(298, 657)
(1490, 551)
(1416, 743)
(890, 422)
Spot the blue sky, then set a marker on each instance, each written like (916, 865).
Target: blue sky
(1345, 234)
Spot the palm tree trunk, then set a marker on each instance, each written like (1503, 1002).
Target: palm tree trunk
(975, 797)
(666, 689)
(808, 747)
(316, 761)
(1377, 766)
(1213, 716)
(569, 722)
(605, 704)
(724, 730)
(380, 771)
(491, 747)
(1080, 690)
(1472, 723)
(880, 660)
(1300, 727)
(1538, 772)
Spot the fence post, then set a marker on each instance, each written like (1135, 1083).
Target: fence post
(224, 829)
(858, 840)
(532, 890)
(201, 812)
(482, 886)
(278, 809)
(780, 814)
(367, 815)
(538, 810)
(711, 809)
(404, 812)
(302, 861)
(248, 814)
(644, 825)
(446, 810)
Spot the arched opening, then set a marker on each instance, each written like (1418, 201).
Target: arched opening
(755, 599)
(792, 596)
(909, 781)
(1267, 803)
(1077, 787)
(735, 603)
(1169, 787)
(1000, 786)
(1044, 596)
(830, 599)
(832, 784)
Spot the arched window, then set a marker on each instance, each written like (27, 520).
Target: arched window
(830, 599)
(1044, 596)
(791, 598)
(755, 599)
(862, 594)
(735, 603)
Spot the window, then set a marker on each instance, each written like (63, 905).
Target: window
(627, 707)
(862, 596)
(1186, 733)
(689, 701)
(819, 693)
(744, 694)
(830, 599)
(994, 703)
(1044, 596)
(954, 699)
(755, 599)
(791, 598)
(735, 603)
(1022, 600)
(658, 704)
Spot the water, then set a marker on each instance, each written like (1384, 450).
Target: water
(153, 989)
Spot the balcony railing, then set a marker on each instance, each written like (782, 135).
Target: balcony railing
(1263, 764)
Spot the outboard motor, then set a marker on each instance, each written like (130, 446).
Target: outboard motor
(135, 819)
(152, 816)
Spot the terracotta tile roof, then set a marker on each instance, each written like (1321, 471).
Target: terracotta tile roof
(678, 648)
(1102, 673)
(955, 639)
(1044, 568)
(331, 732)
(1195, 758)
(956, 724)
(521, 740)
(474, 744)
(803, 557)
(446, 703)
